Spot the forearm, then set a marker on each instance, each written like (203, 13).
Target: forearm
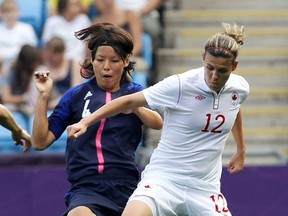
(7, 120)
(237, 132)
(150, 118)
(115, 107)
(40, 124)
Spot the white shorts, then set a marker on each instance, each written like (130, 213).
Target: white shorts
(165, 197)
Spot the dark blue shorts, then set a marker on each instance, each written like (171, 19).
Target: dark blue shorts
(105, 197)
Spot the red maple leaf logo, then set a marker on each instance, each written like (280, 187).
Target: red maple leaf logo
(147, 186)
(234, 97)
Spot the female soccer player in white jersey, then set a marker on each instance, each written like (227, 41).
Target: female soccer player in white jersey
(201, 107)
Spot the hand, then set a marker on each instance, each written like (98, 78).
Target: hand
(236, 163)
(43, 82)
(76, 130)
(22, 137)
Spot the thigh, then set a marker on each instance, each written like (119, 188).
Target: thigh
(162, 196)
(139, 207)
(81, 211)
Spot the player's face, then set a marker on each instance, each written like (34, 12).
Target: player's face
(10, 15)
(108, 68)
(53, 58)
(217, 71)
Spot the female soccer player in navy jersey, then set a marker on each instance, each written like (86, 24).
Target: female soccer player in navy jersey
(100, 164)
(201, 107)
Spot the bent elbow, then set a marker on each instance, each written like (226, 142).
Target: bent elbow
(39, 148)
(39, 144)
(157, 125)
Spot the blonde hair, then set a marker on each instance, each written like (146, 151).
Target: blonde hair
(226, 44)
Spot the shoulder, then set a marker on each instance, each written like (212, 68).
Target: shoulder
(192, 72)
(168, 85)
(76, 89)
(132, 87)
(238, 81)
(191, 76)
(171, 78)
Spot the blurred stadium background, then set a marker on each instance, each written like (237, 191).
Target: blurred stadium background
(35, 183)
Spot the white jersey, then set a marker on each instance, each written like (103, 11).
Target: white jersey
(197, 123)
(59, 26)
(11, 40)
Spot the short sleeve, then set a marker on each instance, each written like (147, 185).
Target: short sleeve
(165, 93)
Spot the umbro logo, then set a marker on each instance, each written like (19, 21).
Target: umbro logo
(87, 95)
(200, 97)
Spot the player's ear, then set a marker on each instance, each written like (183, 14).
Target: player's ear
(203, 58)
(234, 65)
(127, 61)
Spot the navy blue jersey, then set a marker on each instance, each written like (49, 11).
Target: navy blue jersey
(107, 148)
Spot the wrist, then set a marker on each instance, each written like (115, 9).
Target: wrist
(241, 149)
(44, 96)
(17, 130)
(85, 122)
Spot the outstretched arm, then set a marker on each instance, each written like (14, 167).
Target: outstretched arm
(19, 135)
(129, 102)
(236, 163)
(42, 137)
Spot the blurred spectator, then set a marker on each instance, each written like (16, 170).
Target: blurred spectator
(127, 19)
(149, 11)
(14, 34)
(85, 6)
(68, 20)
(64, 72)
(130, 21)
(18, 91)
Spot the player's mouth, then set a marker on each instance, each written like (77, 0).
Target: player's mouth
(107, 76)
(214, 84)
